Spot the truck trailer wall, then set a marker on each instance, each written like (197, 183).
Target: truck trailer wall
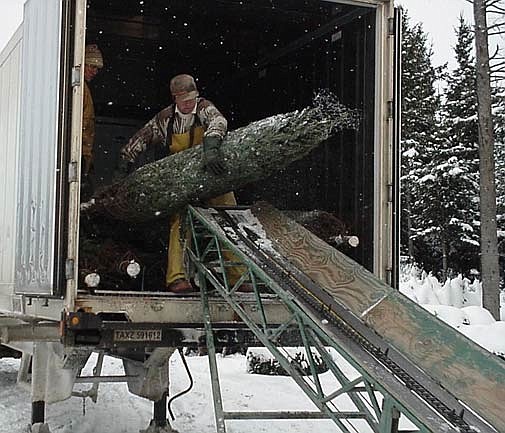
(38, 147)
(10, 79)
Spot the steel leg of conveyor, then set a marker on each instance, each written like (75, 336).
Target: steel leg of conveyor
(390, 416)
(211, 350)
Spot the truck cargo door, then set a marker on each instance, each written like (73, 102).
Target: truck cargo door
(38, 244)
(396, 146)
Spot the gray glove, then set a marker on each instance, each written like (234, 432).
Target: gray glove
(213, 160)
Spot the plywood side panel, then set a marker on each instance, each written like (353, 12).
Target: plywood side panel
(469, 372)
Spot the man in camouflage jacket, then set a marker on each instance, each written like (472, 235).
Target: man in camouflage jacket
(189, 122)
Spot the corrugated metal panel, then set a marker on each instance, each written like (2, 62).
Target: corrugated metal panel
(35, 244)
(10, 78)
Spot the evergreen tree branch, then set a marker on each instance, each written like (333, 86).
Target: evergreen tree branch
(250, 153)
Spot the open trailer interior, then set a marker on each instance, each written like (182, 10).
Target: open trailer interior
(253, 59)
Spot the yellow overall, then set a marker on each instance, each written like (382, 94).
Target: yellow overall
(175, 265)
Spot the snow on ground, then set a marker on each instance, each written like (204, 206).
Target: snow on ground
(118, 411)
(457, 302)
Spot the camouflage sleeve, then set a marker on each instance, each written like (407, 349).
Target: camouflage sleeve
(153, 132)
(212, 119)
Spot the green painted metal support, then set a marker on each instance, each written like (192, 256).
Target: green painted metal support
(390, 416)
(370, 384)
(214, 373)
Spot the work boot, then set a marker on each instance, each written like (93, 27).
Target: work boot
(180, 286)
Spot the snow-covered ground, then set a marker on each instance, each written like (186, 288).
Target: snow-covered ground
(458, 302)
(116, 411)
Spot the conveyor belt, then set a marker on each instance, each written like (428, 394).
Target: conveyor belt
(399, 376)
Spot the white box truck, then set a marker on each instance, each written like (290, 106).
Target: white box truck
(253, 59)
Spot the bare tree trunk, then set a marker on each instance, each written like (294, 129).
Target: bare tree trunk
(489, 241)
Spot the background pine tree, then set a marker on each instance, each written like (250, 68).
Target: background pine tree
(419, 110)
(440, 160)
(453, 179)
(499, 117)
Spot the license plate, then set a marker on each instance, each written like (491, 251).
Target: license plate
(137, 335)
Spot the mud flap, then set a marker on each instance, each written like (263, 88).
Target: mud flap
(152, 379)
(52, 379)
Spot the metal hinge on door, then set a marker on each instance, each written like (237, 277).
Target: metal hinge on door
(72, 172)
(391, 27)
(69, 269)
(390, 193)
(76, 76)
(390, 108)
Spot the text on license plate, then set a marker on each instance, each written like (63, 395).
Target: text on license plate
(137, 335)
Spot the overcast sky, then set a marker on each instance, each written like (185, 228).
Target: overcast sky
(10, 17)
(439, 17)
